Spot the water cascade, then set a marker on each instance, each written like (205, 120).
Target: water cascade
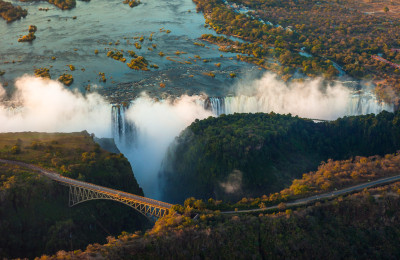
(215, 104)
(144, 130)
(357, 104)
(123, 130)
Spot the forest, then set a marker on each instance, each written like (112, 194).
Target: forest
(362, 225)
(330, 176)
(34, 212)
(327, 31)
(255, 154)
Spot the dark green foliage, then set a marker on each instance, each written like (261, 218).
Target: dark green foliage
(360, 226)
(34, 213)
(356, 227)
(262, 153)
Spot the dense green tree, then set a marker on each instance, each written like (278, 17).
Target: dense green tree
(386, 9)
(34, 213)
(267, 151)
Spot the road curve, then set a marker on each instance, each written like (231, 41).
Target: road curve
(324, 195)
(64, 180)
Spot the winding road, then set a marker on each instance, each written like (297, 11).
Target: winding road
(322, 196)
(64, 180)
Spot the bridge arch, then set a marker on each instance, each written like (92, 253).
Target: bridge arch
(78, 194)
(80, 191)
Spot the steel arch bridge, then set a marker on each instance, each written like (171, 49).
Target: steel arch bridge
(79, 194)
(80, 191)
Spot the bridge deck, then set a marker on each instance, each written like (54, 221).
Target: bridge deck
(68, 181)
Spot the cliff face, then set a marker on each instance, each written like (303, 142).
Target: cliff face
(34, 212)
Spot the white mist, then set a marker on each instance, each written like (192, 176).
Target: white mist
(47, 106)
(157, 124)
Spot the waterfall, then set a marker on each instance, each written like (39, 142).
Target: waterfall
(361, 104)
(145, 128)
(123, 130)
(357, 104)
(216, 105)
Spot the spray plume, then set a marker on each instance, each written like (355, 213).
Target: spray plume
(309, 98)
(46, 106)
(157, 124)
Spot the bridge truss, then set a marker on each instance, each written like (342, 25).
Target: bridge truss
(79, 194)
(80, 191)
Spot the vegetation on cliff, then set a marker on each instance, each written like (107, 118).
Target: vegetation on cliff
(255, 154)
(365, 224)
(330, 176)
(362, 225)
(34, 212)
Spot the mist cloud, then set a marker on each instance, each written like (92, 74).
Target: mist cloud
(233, 183)
(157, 124)
(45, 105)
(309, 99)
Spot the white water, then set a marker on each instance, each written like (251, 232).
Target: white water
(46, 106)
(145, 129)
(355, 104)
(309, 99)
(157, 124)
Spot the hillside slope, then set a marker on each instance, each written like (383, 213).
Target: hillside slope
(254, 154)
(362, 225)
(34, 212)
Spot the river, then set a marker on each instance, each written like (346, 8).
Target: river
(144, 131)
(101, 23)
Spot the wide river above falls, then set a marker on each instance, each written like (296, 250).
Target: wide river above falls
(105, 25)
(144, 130)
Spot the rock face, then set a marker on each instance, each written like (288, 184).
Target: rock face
(107, 144)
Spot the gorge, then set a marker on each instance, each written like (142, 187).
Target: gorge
(144, 128)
